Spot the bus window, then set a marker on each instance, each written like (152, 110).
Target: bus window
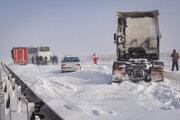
(32, 50)
(44, 49)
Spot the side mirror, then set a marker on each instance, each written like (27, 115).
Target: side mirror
(160, 36)
(115, 40)
(114, 36)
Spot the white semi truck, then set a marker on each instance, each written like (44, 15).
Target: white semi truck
(137, 40)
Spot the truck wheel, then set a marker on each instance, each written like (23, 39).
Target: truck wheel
(147, 79)
(113, 68)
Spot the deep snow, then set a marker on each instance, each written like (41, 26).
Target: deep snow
(88, 94)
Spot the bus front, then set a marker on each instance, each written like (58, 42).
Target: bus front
(44, 51)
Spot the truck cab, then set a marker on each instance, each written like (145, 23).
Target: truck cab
(137, 40)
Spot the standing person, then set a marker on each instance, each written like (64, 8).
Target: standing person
(175, 58)
(37, 60)
(41, 60)
(53, 59)
(95, 58)
(56, 59)
(32, 59)
(45, 60)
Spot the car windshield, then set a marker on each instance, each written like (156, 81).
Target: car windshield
(71, 59)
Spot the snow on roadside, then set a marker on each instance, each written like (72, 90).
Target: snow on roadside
(158, 96)
(87, 94)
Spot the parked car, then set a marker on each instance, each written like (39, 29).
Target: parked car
(70, 64)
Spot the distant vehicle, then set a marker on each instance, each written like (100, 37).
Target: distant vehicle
(19, 55)
(70, 64)
(39, 51)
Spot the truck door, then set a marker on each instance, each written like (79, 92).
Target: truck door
(25, 55)
(15, 52)
(20, 60)
(20, 55)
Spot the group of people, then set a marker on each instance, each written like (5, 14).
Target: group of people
(40, 60)
(54, 59)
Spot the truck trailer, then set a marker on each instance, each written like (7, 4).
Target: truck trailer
(19, 55)
(137, 40)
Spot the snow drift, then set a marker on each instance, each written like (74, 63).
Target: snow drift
(88, 94)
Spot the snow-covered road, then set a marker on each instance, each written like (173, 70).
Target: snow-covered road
(87, 94)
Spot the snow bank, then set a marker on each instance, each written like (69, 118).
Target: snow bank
(158, 96)
(87, 94)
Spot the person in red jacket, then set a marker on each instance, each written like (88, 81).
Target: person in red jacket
(175, 58)
(95, 58)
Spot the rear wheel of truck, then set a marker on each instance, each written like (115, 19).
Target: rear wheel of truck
(147, 78)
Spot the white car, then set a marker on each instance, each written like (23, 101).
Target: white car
(70, 64)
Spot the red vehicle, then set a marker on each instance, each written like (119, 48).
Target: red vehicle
(19, 55)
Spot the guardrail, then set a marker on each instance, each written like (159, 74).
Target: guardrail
(12, 85)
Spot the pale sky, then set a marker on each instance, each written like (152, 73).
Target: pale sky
(78, 27)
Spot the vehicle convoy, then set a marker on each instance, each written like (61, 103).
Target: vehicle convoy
(39, 51)
(137, 40)
(24, 55)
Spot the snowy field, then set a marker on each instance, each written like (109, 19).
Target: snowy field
(87, 94)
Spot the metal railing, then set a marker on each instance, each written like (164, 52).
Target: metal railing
(12, 85)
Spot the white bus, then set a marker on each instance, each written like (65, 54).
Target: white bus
(38, 51)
